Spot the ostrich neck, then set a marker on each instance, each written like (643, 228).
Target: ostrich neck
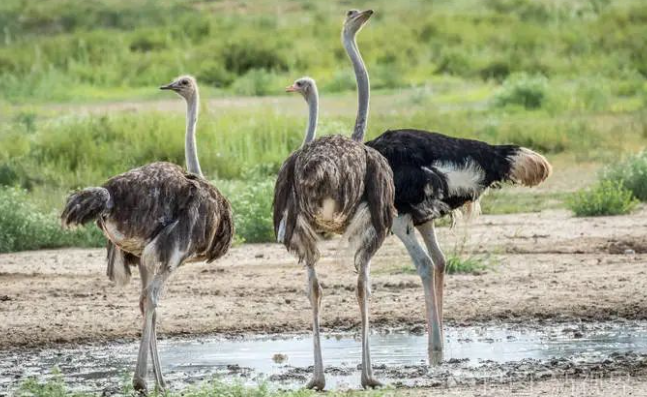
(361, 76)
(190, 147)
(313, 111)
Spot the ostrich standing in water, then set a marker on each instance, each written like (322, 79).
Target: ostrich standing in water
(339, 185)
(434, 175)
(157, 217)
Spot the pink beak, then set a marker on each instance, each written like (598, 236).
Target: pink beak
(291, 88)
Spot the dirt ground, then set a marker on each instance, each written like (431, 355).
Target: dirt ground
(549, 267)
(594, 387)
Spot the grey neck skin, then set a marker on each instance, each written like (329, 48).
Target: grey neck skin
(190, 148)
(361, 75)
(313, 112)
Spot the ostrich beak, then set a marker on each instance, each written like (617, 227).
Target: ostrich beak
(291, 88)
(167, 87)
(364, 15)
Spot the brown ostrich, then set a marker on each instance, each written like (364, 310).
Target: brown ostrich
(157, 217)
(336, 185)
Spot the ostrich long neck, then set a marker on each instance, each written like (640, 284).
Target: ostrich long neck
(190, 146)
(361, 75)
(313, 112)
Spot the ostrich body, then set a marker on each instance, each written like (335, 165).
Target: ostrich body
(157, 217)
(434, 175)
(339, 185)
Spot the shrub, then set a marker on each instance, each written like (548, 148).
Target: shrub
(256, 82)
(522, 90)
(496, 70)
(24, 227)
(604, 198)
(245, 55)
(457, 264)
(631, 173)
(251, 200)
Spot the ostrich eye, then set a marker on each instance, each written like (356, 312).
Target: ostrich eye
(351, 12)
(299, 84)
(184, 82)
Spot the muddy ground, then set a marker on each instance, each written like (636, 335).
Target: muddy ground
(549, 267)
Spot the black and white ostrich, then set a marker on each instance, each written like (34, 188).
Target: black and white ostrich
(157, 217)
(435, 174)
(335, 185)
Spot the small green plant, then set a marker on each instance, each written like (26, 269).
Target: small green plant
(56, 387)
(251, 201)
(470, 264)
(605, 198)
(528, 91)
(463, 260)
(24, 227)
(631, 173)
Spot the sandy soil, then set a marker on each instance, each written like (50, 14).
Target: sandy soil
(593, 387)
(550, 267)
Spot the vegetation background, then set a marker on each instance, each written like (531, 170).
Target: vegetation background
(79, 103)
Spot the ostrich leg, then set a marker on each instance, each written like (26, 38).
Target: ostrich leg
(369, 242)
(154, 290)
(145, 279)
(157, 366)
(428, 232)
(404, 229)
(363, 293)
(318, 380)
(141, 369)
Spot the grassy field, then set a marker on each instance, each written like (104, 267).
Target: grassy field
(56, 388)
(78, 97)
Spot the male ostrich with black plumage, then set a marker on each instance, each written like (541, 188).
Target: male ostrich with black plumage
(336, 185)
(157, 217)
(434, 175)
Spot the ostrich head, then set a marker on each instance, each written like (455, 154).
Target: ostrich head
(355, 20)
(305, 86)
(184, 86)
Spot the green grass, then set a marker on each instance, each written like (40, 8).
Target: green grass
(68, 50)
(24, 227)
(56, 388)
(632, 173)
(604, 198)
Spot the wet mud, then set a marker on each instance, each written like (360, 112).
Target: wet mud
(473, 356)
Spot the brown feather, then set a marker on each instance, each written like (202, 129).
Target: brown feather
(320, 188)
(161, 203)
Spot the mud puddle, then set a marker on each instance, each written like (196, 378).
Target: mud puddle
(473, 354)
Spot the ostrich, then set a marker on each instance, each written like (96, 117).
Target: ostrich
(435, 175)
(335, 185)
(157, 217)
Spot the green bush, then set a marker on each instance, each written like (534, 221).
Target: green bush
(605, 198)
(251, 200)
(631, 173)
(458, 264)
(523, 90)
(257, 82)
(24, 227)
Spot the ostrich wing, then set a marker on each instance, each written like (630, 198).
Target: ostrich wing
(380, 191)
(284, 198)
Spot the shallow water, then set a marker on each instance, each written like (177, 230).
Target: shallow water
(399, 357)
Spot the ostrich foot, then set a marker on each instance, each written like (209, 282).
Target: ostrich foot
(369, 382)
(161, 388)
(140, 386)
(316, 383)
(435, 357)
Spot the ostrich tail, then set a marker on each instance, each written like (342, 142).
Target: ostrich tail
(85, 206)
(528, 168)
(379, 191)
(119, 264)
